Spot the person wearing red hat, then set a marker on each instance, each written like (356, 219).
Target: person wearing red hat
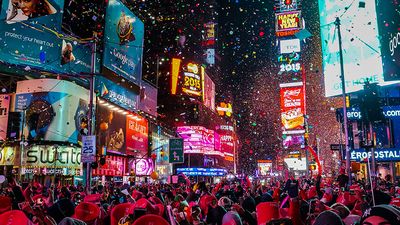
(87, 212)
(5, 204)
(14, 217)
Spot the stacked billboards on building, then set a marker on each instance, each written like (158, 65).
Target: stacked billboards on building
(292, 92)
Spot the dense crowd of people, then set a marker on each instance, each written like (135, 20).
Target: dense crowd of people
(296, 201)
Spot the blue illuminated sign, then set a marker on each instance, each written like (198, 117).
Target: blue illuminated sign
(381, 154)
(390, 112)
(116, 94)
(202, 171)
(25, 36)
(124, 34)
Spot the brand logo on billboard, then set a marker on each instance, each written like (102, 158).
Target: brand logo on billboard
(290, 46)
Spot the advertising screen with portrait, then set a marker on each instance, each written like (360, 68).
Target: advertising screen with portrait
(360, 41)
(56, 110)
(123, 48)
(28, 30)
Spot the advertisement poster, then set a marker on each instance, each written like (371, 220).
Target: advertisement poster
(360, 41)
(389, 30)
(295, 140)
(264, 167)
(25, 36)
(209, 92)
(9, 156)
(114, 166)
(292, 106)
(115, 93)
(56, 110)
(44, 156)
(191, 80)
(124, 35)
(226, 139)
(198, 139)
(137, 130)
(144, 167)
(148, 99)
(4, 110)
(111, 129)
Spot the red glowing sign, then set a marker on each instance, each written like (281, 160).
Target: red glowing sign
(288, 23)
(136, 134)
(292, 106)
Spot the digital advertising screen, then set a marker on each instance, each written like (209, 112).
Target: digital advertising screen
(123, 48)
(209, 92)
(121, 132)
(360, 41)
(5, 100)
(137, 130)
(389, 30)
(56, 110)
(288, 21)
(192, 79)
(292, 106)
(198, 139)
(264, 167)
(148, 99)
(29, 33)
(111, 128)
(226, 138)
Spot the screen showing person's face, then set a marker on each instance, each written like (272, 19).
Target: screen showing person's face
(376, 220)
(28, 6)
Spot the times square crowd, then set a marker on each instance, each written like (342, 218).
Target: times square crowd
(295, 201)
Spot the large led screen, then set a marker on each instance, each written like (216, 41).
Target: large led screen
(56, 110)
(292, 106)
(198, 139)
(360, 41)
(28, 32)
(124, 35)
(121, 132)
(389, 29)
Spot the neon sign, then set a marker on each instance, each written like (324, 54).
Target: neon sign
(288, 21)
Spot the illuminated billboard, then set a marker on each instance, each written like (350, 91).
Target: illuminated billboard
(198, 139)
(4, 111)
(264, 167)
(121, 132)
(289, 46)
(124, 35)
(55, 109)
(389, 30)
(292, 106)
(288, 5)
(360, 41)
(25, 38)
(209, 92)
(288, 21)
(187, 78)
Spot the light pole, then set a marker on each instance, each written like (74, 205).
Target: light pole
(343, 81)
